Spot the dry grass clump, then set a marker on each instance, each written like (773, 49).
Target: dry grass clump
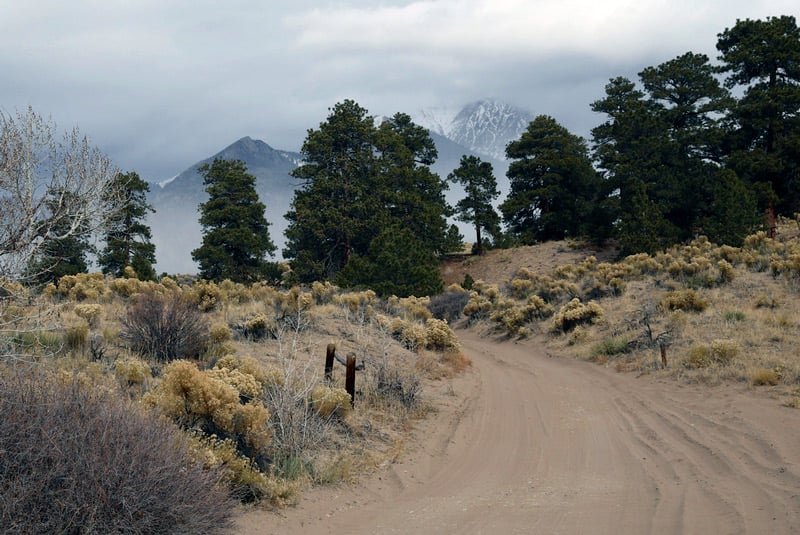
(720, 352)
(764, 377)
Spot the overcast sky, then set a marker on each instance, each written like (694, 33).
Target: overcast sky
(161, 84)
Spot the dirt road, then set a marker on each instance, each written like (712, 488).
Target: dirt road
(537, 444)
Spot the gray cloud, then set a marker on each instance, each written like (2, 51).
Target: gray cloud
(159, 85)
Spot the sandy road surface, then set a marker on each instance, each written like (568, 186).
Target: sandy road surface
(534, 444)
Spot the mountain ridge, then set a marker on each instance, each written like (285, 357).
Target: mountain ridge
(175, 226)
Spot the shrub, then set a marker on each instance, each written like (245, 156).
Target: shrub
(392, 384)
(686, 300)
(219, 334)
(614, 345)
(699, 356)
(413, 336)
(243, 479)
(132, 371)
(210, 401)
(164, 327)
(209, 295)
(89, 312)
(721, 352)
(84, 461)
(764, 377)
(76, 337)
(449, 305)
(439, 336)
(330, 401)
(255, 328)
(575, 313)
(725, 351)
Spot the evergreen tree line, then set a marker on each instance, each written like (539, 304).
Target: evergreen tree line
(677, 155)
(126, 237)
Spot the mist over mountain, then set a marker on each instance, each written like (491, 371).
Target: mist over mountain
(486, 125)
(175, 224)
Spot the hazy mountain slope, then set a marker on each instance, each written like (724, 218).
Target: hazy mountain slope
(175, 226)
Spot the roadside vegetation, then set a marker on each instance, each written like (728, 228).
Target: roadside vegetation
(720, 313)
(223, 382)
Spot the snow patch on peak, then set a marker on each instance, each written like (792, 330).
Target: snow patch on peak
(437, 120)
(485, 126)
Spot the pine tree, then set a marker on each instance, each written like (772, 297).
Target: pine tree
(360, 180)
(128, 237)
(332, 213)
(236, 237)
(762, 57)
(480, 186)
(552, 183)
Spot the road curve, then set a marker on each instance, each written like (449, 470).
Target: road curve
(537, 444)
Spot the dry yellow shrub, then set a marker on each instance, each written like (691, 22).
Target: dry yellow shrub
(413, 336)
(329, 401)
(266, 375)
(209, 295)
(189, 396)
(90, 312)
(169, 284)
(82, 287)
(439, 336)
(686, 300)
(219, 333)
(244, 383)
(132, 371)
(575, 313)
(323, 292)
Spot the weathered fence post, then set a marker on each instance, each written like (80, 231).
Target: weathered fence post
(329, 353)
(663, 355)
(350, 378)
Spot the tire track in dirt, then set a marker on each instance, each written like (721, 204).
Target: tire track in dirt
(533, 444)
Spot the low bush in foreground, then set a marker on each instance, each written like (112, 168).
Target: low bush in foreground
(79, 461)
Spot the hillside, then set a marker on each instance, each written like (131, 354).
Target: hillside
(721, 313)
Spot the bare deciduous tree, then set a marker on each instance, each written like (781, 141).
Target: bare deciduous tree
(51, 187)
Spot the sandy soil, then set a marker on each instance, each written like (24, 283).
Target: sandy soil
(526, 442)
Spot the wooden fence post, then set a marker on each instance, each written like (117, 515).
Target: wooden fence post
(329, 353)
(663, 355)
(350, 378)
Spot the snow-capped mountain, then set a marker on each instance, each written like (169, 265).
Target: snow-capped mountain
(485, 126)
